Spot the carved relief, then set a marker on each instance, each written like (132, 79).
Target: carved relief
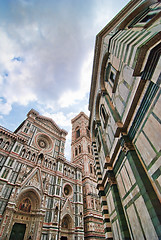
(34, 181)
(126, 144)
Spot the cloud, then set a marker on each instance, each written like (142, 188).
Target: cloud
(70, 97)
(52, 53)
(46, 50)
(5, 108)
(47, 54)
(59, 118)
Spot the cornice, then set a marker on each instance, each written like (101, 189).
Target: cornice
(78, 116)
(98, 44)
(12, 135)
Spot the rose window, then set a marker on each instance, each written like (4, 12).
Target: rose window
(43, 141)
(68, 190)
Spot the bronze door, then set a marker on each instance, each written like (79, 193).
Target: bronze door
(18, 231)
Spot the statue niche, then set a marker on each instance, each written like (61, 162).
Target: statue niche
(40, 158)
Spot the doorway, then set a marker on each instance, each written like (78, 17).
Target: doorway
(18, 231)
(64, 238)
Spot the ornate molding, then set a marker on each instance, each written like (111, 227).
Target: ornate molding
(126, 144)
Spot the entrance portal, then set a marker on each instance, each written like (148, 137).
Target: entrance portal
(18, 231)
(64, 238)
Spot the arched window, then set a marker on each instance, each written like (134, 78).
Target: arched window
(76, 152)
(1, 140)
(56, 210)
(111, 76)
(33, 157)
(89, 149)
(91, 168)
(77, 133)
(23, 152)
(54, 166)
(6, 145)
(65, 171)
(79, 148)
(50, 163)
(17, 148)
(46, 163)
(28, 155)
(104, 116)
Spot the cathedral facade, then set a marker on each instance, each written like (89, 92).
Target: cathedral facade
(40, 191)
(125, 121)
(42, 195)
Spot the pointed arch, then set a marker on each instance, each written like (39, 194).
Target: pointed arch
(80, 149)
(28, 155)
(77, 132)
(97, 105)
(33, 157)
(23, 152)
(6, 145)
(76, 151)
(1, 140)
(103, 68)
(33, 195)
(67, 222)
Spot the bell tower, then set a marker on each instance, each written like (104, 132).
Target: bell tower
(81, 154)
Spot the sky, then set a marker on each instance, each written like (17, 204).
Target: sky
(46, 57)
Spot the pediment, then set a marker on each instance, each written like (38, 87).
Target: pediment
(50, 124)
(67, 209)
(34, 180)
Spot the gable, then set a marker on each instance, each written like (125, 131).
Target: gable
(49, 124)
(67, 209)
(46, 122)
(34, 180)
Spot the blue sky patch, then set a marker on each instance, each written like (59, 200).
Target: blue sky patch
(18, 59)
